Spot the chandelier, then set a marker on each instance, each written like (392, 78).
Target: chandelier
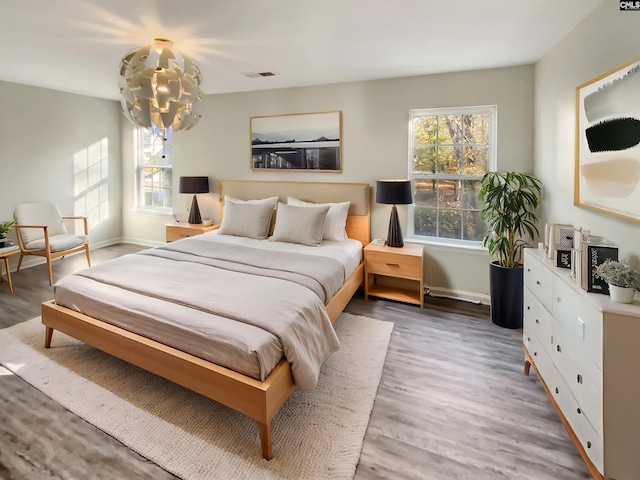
(160, 87)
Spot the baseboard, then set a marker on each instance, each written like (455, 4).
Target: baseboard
(472, 297)
(140, 241)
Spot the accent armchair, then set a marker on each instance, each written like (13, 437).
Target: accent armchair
(41, 231)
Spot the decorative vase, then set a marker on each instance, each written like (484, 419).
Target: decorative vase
(621, 294)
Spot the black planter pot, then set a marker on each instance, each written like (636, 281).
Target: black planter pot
(506, 291)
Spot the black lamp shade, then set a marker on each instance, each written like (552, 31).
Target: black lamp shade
(394, 192)
(194, 185)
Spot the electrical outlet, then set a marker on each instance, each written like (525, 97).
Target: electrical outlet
(581, 328)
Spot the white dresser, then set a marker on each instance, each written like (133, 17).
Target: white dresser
(586, 350)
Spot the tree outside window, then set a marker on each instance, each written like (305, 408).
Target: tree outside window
(450, 149)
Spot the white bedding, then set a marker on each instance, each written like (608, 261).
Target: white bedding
(348, 251)
(199, 308)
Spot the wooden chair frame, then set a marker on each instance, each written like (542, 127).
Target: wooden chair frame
(47, 253)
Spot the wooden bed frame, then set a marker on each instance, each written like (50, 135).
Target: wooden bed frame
(259, 400)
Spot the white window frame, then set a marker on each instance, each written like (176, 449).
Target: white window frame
(139, 149)
(492, 110)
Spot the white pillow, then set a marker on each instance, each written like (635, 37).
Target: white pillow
(246, 220)
(336, 221)
(300, 224)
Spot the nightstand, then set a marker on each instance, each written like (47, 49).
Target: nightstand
(396, 263)
(184, 230)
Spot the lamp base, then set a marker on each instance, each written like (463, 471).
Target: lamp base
(394, 236)
(194, 213)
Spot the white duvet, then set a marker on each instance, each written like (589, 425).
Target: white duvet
(228, 312)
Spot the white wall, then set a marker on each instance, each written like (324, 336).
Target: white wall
(40, 131)
(606, 39)
(375, 146)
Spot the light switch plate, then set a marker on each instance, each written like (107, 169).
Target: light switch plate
(581, 328)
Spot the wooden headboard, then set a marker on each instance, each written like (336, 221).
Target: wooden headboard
(358, 220)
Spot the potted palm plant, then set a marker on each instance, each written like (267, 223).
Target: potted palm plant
(510, 204)
(5, 227)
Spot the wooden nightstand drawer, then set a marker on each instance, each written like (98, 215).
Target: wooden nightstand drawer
(394, 265)
(404, 264)
(177, 232)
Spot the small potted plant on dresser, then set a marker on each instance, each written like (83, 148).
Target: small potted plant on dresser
(622, 278)
(5, 227)
(510, 204)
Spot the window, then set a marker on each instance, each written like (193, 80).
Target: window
(153, 171)
(450, 149)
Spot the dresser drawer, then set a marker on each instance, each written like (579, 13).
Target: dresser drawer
(581, 321)
(589, 439)
(538, 354)
(538, 280)
(538, 319)
(400, 266)
(582, 377)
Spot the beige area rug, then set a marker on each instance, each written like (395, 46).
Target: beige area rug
(317, 435)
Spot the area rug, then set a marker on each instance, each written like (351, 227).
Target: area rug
(317, 435)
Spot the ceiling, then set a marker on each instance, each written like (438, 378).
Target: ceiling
(76, 45)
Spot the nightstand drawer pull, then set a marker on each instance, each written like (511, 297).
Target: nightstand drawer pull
(393, 264)
(579, 378)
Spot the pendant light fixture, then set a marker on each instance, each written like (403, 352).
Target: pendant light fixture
(160, 87)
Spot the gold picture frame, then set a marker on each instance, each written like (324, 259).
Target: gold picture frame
(297, 142)
(607, 164)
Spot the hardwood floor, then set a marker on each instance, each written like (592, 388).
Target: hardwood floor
(453, 402)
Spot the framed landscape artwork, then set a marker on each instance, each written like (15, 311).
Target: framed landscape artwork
(297, 142)
(607, 174)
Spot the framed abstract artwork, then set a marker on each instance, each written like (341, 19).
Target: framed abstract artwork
(310, 142)
(607, 171)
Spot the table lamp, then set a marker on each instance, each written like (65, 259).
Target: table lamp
(394, 192)
(194, 185)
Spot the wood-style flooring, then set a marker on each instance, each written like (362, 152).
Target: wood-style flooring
(453, 402)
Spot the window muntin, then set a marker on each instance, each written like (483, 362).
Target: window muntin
(450, 149)
(154, 168)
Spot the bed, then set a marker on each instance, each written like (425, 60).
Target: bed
(257, 393)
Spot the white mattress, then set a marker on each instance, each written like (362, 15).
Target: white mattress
(348, 251)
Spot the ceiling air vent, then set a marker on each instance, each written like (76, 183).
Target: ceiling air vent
(260, 74)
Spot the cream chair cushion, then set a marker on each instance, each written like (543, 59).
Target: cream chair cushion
(40, 213)
(58, 243)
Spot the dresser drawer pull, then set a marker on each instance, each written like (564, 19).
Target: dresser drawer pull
(558, 348)
(588, 444)
(579, 411)
(528, 339)
(529, 270)
(528, 307)
(393, 264)
(538, 282)
(557, 391)
(537, 321)
(579, 378)
(535, 354)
